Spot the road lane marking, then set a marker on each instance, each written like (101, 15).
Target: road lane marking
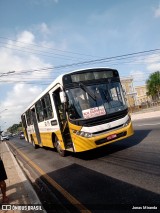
(66, 194)
(148, 124)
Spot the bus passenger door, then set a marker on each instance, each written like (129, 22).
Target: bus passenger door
(62, 118)
(36, 126)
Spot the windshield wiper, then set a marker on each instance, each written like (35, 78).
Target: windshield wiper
(90, 93)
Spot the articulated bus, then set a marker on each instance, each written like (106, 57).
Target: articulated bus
(79, 111)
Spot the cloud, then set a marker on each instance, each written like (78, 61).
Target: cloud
(16, 102)
(154, 67)
(44, 29)
(26, 92)
(26, 37)
(154, 58)
(20, 56)
(55, 1)
(138, 75)
(153, 63)
(157, 12)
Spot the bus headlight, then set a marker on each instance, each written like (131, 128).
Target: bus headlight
(83, 134)
(128, 121)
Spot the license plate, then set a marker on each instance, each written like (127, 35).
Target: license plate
(110, 137)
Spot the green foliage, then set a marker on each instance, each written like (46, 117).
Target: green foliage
(153, 85)
(15, 128)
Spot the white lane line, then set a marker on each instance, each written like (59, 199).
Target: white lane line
(148, 124)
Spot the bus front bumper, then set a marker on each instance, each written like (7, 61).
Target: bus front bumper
(87, 143)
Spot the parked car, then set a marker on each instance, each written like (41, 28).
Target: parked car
(4, 138)
(21, 136)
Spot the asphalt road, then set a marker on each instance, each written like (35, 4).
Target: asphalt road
(118, 176)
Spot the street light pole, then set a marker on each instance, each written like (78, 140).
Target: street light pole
(0, 117)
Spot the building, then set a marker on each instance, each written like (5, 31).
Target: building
(136, 96)
(130, 93)
(142, 98)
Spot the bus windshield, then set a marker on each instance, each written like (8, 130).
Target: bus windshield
(89, 101)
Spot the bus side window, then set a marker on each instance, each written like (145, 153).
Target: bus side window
(39, 111)
(47, 107)
(29, 118)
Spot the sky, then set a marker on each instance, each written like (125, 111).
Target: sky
(41, 39)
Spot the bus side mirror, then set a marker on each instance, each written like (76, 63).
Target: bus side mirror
(63, 97)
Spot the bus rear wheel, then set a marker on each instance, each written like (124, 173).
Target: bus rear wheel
(58, 147)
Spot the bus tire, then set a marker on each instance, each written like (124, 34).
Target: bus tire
(58, 147)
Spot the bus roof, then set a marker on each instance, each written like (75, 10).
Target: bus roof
(56, 81)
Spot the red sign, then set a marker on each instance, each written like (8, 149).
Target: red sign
(110, 137)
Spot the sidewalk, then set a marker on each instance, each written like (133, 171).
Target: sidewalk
(19, 189)
(146, 113)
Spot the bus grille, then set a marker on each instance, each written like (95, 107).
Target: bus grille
(107, 130)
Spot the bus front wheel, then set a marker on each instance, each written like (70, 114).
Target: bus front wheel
(59, 148)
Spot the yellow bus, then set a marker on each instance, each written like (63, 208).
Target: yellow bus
(79, 111)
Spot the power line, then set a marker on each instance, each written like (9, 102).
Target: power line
(46, 47)
(26, 82)
(42, 53)
(102, 60)
(118, 58)
(6, 73)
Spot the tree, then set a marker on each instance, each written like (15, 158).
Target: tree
(15, 128)
(153, 85)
